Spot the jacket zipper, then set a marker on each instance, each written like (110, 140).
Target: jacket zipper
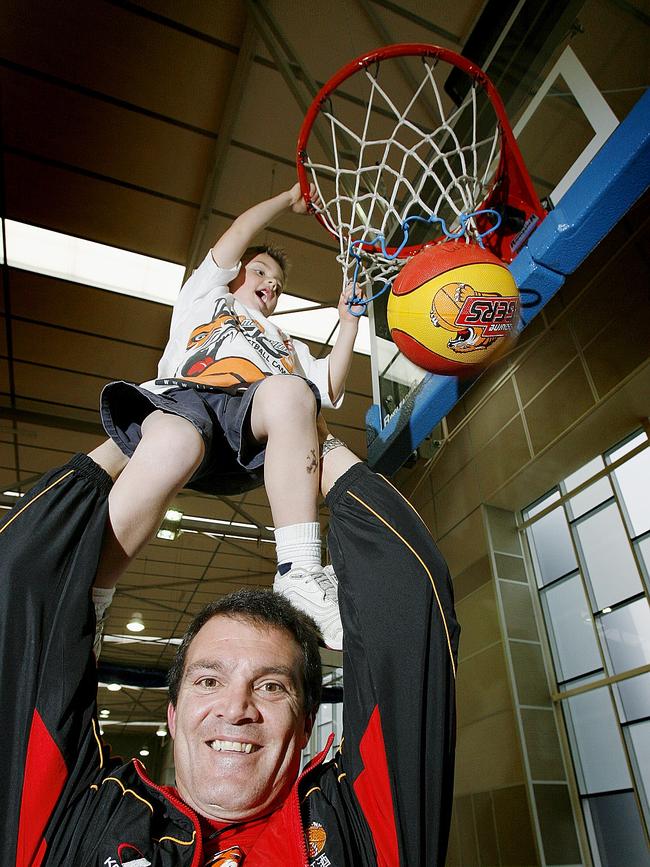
(181, 807)
(317, 760)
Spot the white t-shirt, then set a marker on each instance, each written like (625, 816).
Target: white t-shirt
(214, 340)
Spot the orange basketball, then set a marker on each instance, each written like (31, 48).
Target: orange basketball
(453, 308)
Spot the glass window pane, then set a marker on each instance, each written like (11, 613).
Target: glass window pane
(540, 505)
(639, 735)
(551, 541)
(584, 473)
(608, 557)
(633, 697)
(627, 635)
(643, 547)
(597, 748)
(616, 827)
(633, 479)
(626, 447)
(569, 621)
(592, 496)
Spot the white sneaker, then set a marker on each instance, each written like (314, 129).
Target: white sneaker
(314, 589)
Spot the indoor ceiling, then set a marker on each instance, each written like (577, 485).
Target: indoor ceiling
(149, 126)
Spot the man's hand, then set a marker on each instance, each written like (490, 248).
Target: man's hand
(297, 203)
(345, 312)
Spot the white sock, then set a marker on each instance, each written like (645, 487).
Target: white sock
(298, 545)
(102, 598)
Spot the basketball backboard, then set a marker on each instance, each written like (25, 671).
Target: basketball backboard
(588, 154)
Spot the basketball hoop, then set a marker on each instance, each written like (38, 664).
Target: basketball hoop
(398, 164)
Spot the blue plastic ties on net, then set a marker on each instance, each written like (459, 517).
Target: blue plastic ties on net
(356, 247)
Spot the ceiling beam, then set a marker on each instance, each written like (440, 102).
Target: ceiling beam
(288, 63)
(417, 19)
(226, 126)
(61, 422)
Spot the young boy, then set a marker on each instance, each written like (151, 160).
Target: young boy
(236, 401)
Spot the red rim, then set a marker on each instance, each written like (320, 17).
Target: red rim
(512, 184)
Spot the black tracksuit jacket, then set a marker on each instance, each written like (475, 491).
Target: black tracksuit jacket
(384, 799)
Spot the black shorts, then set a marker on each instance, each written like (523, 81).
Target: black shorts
(233, 461)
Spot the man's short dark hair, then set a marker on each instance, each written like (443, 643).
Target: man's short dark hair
(261, 608)
(276, 253)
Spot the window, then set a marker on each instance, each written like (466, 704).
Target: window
(589, 540)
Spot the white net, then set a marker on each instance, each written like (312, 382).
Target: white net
(402, 150)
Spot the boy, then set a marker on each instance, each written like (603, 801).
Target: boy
(235, 399)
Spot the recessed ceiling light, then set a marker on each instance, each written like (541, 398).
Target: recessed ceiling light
(144, 751)
(114, 687)
(173, 515)
(161, 731)
(136, 623)
(104, 713)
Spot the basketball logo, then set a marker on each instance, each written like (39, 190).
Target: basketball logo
(477, 319)
(453, 308)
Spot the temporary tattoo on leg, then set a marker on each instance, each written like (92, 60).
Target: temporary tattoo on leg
(312, 461)
(329, 444)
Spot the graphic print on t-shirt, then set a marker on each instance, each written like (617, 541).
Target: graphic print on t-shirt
(233, 350)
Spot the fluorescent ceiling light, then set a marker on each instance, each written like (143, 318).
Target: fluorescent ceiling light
(167, 535)
(218, 521)
(140, 639)
(69, 258)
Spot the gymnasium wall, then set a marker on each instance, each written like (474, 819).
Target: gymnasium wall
(578, 381)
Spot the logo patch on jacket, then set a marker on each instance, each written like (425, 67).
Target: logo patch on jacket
(230, 857)
(316, 839)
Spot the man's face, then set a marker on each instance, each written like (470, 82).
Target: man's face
(262, 284)
(239, 724)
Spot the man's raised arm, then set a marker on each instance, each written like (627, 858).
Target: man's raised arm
(400, 646)
(49, 549)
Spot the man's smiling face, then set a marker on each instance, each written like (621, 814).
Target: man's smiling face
(239, 724)
(259, 284)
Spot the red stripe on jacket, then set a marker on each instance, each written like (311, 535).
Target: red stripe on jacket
(45, 776)
(372, 788)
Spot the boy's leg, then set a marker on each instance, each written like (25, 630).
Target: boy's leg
(169, 452)
(283, 415)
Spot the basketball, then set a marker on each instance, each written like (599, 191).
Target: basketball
(453, 309)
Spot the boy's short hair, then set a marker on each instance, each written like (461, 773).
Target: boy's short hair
(261, 608)
(276, 253)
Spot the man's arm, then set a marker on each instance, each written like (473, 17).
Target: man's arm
(49, 550)
(400, 645)
(228, 250)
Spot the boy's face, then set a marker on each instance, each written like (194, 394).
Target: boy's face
(259, 284)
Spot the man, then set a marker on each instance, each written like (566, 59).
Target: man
(243, 697)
